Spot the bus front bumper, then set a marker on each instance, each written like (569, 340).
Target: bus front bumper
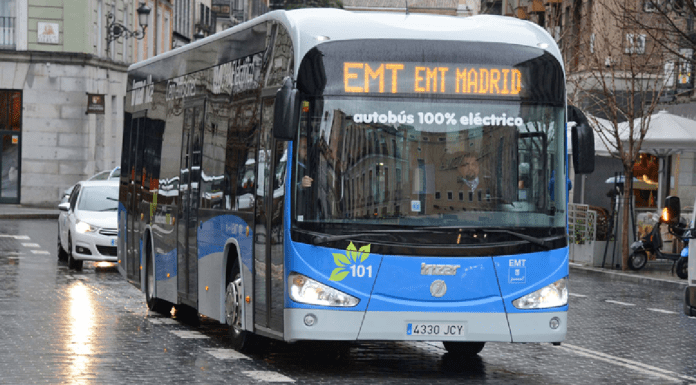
(335, 325)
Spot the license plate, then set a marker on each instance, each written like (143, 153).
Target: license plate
(432, 329)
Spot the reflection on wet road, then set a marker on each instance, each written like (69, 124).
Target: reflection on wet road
(92, 327)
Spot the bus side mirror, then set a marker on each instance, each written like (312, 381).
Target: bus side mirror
(672, 211)
(286, 112)
(582, 141)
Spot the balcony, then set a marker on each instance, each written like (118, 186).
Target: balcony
(7, 32)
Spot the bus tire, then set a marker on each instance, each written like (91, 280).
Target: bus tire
(153, 303)
(683, 267)
(73, 263)
(637, 260)
(464, 348)
(241, 339)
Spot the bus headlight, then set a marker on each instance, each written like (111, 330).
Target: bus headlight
(309, 291)
(84, 227)
(553, 295)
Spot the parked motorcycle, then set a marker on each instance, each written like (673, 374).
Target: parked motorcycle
(652, 243)
(683, 262)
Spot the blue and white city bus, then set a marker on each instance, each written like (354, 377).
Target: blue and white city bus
(320, 174)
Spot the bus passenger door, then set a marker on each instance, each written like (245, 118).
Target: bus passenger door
(187, 221)
(268, 230)
(135, 155)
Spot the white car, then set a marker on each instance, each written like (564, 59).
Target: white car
(114, 174)
(87, 224)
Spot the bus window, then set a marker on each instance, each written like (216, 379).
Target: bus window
(246, 184)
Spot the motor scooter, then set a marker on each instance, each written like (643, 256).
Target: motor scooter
(652, 243)
(683, 262)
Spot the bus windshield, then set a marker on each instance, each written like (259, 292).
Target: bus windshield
(422, 162)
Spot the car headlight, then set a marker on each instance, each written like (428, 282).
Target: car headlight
(553, 295)
(309, 291)
(84, 227)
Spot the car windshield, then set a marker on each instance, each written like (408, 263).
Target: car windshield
(98, 198)
(107, 174)
(429, 163)
(102, 175)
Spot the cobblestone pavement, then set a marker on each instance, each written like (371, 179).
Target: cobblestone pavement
(62, 327)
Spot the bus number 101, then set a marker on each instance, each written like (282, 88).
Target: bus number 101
(359, 271)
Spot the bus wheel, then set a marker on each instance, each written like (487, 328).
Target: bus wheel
(73, 263)
(153, 303)
(464, 348)
(233, 310)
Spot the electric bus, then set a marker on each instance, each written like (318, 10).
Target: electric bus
(327, 175)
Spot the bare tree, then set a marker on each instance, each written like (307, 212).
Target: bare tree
(671, 25)
(615, 71)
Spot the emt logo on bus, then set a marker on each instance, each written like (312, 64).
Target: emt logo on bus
(395, 78)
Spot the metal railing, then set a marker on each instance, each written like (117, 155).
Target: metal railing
(7, 32)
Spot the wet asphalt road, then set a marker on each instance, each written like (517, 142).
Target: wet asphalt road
(59, 326)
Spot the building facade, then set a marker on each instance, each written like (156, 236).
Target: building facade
(63, 67)
(53, 63)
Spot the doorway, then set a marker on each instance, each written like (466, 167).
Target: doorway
(10, 145)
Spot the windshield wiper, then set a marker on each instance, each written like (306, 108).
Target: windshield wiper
(537, 241)
(325, 238)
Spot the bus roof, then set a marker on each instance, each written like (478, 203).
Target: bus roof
(306, 25)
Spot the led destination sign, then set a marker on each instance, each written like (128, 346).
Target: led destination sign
(402, 78)
(386, 68)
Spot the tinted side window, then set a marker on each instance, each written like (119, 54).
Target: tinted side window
(240, 158)
(214, 178)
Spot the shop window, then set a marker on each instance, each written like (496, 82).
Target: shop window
(645, 173)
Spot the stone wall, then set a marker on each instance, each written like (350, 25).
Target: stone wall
(60, 143)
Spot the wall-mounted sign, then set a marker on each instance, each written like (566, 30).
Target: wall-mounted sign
(48, 33)
(95, 104)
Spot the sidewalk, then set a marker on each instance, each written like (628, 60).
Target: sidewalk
(27, 212)
(655, 273)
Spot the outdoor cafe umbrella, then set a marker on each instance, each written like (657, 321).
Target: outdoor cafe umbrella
(667, 134)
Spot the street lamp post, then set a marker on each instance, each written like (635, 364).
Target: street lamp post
(116, 30)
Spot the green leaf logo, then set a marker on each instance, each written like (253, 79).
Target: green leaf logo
(353, 256)
(341, 260)
(338, 274)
